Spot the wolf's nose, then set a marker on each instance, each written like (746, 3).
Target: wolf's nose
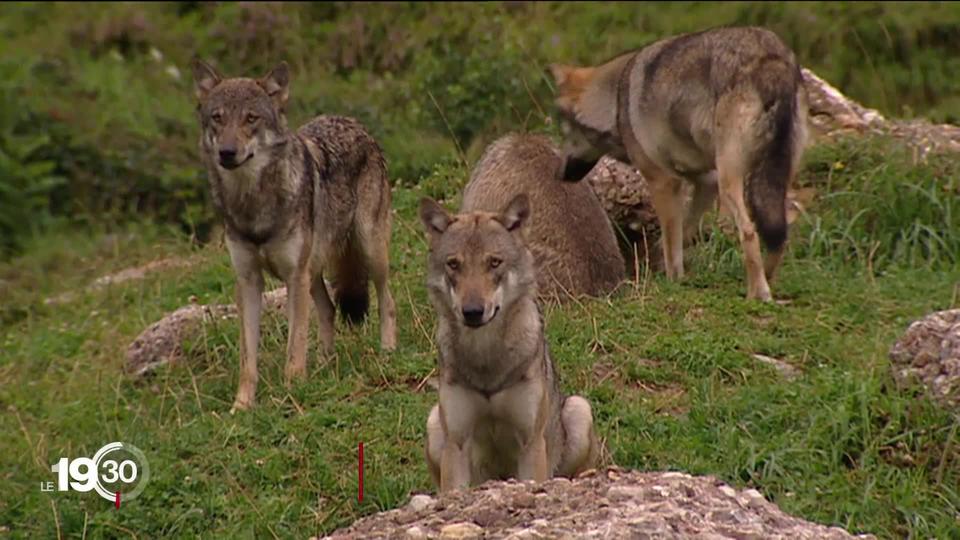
(473, 314)
(228, 156)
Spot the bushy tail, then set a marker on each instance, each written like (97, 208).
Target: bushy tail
(351, 287)
(775, 157)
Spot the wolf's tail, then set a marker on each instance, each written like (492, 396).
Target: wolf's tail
(780, 140)
(351, 286)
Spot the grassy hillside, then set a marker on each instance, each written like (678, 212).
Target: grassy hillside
(668, 368)
(97, 124)
(99, 172)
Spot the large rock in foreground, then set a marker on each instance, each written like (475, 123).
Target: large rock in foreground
(929, 353)
(614, 503)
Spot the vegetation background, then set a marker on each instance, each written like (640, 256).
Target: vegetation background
(99, 171)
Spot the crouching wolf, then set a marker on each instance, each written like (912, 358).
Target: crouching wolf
(574, 248)
(501, 413)
(723, 108)
(301, 204)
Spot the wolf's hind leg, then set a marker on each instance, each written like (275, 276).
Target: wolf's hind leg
(704, 194)
(666, 197)
(325, 313)
(732, 196)
(581, 448)
(298, 317)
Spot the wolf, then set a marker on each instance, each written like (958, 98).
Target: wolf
(724, 109)
(572, 240)
(501, 413)
(302, 205)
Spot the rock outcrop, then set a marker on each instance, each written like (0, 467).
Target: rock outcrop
(613, 503)
(929, 353)
(161, 342)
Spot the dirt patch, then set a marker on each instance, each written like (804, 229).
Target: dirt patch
(612, 503)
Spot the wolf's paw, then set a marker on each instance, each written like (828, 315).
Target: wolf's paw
(762, 296)
(293, 373)
(243, 403)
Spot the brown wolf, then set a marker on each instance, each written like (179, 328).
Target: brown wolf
(501, 413)
(300, 204)
(573, 243)
(723, 107)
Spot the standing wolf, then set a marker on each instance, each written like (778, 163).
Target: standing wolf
(501, 413)
(297, 204)
(723, 108)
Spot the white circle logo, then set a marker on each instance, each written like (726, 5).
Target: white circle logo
(118, 471)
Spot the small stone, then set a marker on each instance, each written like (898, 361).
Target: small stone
(415, 533)
(461, 531)
(524, 500)
(420, 502)
(619, 493)
(728, 491)
(525, 534)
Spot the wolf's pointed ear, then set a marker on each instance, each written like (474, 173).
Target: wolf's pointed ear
(205, 78)
(277, 82)
(560, 72)
(516, 212)
(435, 219)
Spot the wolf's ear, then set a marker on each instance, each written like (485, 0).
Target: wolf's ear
(516, 212)
(560, 72)
(277, 82)
(435, 219)
(205, 78)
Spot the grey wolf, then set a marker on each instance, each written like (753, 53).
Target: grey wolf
(302, 205)
(501, 413)
(724, 108)
(572, 240)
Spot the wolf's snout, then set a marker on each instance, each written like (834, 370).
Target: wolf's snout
(473, 314)
(228, 157)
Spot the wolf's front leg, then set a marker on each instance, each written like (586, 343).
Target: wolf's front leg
(298, 317)
(434, 444)
(532, 463)
(524, 407)
(458, 412)
(248, 296)
(455, 465)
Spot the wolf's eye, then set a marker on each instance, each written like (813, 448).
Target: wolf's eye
(495, 262)
(453, 264)
(252, 118)
(217, 117)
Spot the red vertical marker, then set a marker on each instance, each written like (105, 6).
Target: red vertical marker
(359, 475)
(117, 501)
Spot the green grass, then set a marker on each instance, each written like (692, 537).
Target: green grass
(668, 368)
(97, 120)
(98, 149)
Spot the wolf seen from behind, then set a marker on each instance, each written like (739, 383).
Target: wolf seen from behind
(724, 108)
